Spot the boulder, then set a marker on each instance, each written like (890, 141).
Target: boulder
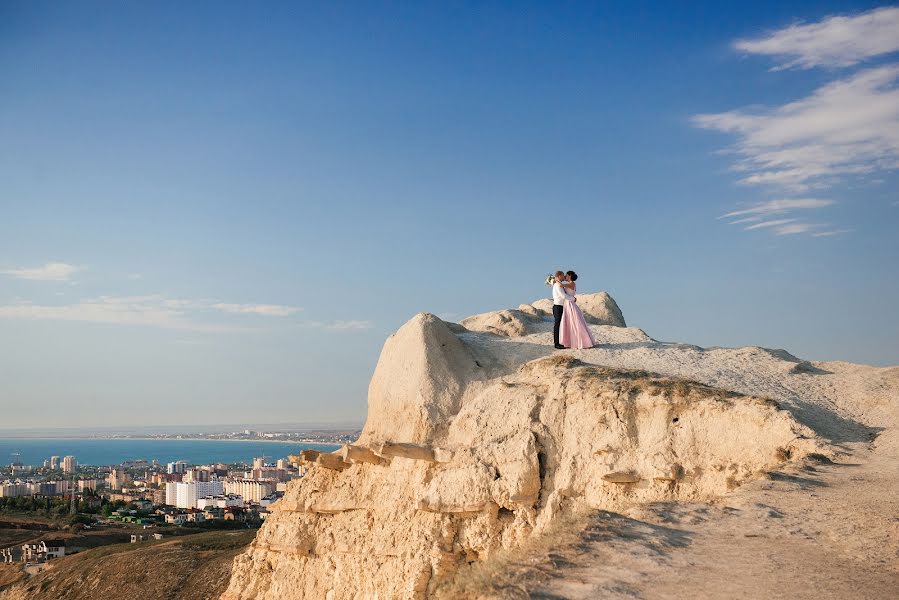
(418, 381)
(544, 305)
(599, 308)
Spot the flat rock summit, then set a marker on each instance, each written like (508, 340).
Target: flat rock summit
(482, 440)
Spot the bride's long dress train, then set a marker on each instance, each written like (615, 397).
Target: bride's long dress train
(573, 331)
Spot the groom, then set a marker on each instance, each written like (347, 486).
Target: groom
(559, 298)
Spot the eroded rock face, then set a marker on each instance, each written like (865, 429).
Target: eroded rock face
(477, 454)
(418, 383)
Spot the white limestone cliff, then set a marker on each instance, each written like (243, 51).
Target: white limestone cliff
(480, 435)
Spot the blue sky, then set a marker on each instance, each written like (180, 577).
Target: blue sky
(217, 213)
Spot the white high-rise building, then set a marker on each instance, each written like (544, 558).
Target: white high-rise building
(54, 462)
(179, 466)
(171, 493)
(187, 493)
(117, 479)
(252, 490)
(220, 502)
(196, 475)
(87, 484)
(283, 464)
(259, 463)
(69, 464)
(10, 489)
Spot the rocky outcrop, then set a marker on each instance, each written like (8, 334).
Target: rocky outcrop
(478, 438)
(418, 382)
(509, 323)
(599, 309)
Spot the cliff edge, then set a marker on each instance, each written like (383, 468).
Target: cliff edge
(480, 436)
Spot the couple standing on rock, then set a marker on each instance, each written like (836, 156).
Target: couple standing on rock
(570, 328)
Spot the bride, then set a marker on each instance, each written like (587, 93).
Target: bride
(574, 332)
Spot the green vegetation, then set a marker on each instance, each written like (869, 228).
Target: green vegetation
(218, 541)
(217, 525)
(44, 506)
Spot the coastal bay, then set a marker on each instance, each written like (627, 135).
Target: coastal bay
(112, 451)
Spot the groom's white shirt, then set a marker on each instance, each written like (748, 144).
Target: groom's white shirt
(560, 295)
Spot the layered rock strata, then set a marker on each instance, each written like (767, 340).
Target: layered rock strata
(478, 437)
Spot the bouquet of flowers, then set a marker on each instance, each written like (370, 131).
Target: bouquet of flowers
(550, 279)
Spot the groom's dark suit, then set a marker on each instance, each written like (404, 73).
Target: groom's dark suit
(557, 321)
(559, 297)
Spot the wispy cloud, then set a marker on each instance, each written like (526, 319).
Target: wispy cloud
(339, 325)
(838, 41)
(794, 228)
(51, 271)
(847, 127)
(785, 226)
(271, 310)
(777, 206)
(842, 132)
(832, 233)
(348, 325)
(151, 310)
(773, 223)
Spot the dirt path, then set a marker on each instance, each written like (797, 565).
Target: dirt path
(817, 531)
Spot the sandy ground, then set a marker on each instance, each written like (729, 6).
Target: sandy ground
(824, 531)
(816, 530)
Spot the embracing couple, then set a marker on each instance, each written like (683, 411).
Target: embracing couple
(570, 328)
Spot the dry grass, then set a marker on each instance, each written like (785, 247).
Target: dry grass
(632, 380)
(510, 574)
(195, 567)
(10, 574)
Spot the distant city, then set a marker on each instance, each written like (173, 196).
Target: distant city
(311, 437)
(150, 495)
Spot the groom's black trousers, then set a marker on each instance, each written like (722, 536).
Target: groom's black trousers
(557, 321)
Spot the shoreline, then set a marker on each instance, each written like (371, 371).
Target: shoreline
(153, 439)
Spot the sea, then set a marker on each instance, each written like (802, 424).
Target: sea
(102, 451)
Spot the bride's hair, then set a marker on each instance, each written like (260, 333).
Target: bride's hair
(572, 275)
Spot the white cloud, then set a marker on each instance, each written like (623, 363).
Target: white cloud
(52, 271)
(339, 325)
(773, 223)
(837, 41)
(151, 310)
(842, 133)
(349, 325)
(774, 207)
(794, 228)
(847, 127)
(832, 233)
(745, 220)
(271, 310)
(136, 310)
(785, 226)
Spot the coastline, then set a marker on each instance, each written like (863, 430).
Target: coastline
(96, 451)
(173, 439)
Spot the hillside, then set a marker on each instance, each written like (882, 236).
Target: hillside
(194, 567)
(484, 448)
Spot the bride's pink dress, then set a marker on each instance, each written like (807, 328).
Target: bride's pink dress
(573, 331)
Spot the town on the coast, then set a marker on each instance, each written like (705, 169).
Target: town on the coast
(146, 499)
